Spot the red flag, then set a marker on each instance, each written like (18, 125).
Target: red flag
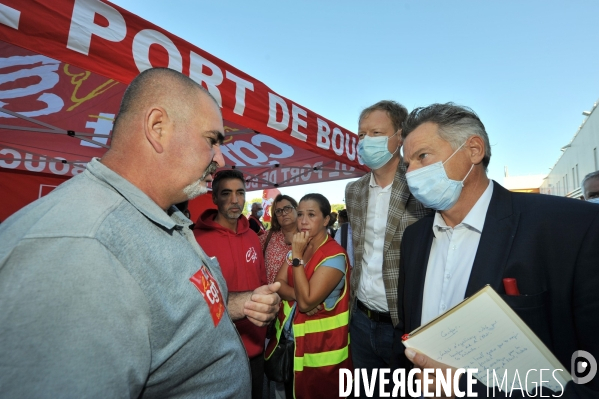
(268, 196)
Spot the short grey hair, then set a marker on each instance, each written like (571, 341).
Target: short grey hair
(456, 124)
(592, 175)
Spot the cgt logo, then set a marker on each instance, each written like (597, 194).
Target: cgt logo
(583, 367)
(251, 255)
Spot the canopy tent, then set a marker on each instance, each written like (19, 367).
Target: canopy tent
(64, 66)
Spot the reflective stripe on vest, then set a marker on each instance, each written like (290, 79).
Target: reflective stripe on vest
(323, 359)
(321, 325)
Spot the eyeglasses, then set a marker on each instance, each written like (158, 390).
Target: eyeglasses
(284, 210)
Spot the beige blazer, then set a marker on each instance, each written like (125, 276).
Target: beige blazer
(404, 210)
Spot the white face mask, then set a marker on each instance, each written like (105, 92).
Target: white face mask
(374, 151)
(431, 186)
(594, 200)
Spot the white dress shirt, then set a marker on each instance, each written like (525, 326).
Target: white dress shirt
(451, 258)
(371, 290)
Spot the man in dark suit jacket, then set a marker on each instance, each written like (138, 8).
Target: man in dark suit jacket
(550, 245)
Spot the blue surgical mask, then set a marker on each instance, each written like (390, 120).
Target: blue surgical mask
(594, 200)
(260, 213)
(431, 186)
(374, 151)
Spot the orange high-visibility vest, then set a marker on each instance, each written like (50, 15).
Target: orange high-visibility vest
(322, 340)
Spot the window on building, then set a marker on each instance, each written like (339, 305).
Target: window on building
(577, 177)
(566, 185)
(595, 156)
(573, 180)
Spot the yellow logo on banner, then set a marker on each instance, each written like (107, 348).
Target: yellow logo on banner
(228, 130)
(77, 79)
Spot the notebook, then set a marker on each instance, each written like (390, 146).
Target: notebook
(483, 332)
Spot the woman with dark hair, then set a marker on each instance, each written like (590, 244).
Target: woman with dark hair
(277, 243)
(315, 272)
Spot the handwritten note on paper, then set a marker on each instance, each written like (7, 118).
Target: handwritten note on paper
(481, 335)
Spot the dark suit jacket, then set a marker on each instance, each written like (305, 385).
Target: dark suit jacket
(550, 245)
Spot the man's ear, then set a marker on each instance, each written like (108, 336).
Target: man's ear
(155, 128)
(476, 148)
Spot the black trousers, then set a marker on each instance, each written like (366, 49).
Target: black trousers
(289, 390)
(257, 369)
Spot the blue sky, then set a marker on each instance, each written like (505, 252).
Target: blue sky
(528, 68)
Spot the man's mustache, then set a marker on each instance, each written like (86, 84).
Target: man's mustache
(209, 170)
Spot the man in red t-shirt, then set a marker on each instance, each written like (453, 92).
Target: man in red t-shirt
(223, 233)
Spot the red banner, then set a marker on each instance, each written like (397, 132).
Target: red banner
(107, 40)
(64, 66)
(68, 97)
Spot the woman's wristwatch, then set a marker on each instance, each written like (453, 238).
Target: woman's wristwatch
(297, 262)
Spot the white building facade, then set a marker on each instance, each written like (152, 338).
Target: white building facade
(579, 158)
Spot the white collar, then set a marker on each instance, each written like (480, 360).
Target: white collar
(373, 183)
(475, 219)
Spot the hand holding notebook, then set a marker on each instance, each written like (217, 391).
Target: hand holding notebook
(484, 333)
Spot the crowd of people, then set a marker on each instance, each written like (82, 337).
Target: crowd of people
(109, 290)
